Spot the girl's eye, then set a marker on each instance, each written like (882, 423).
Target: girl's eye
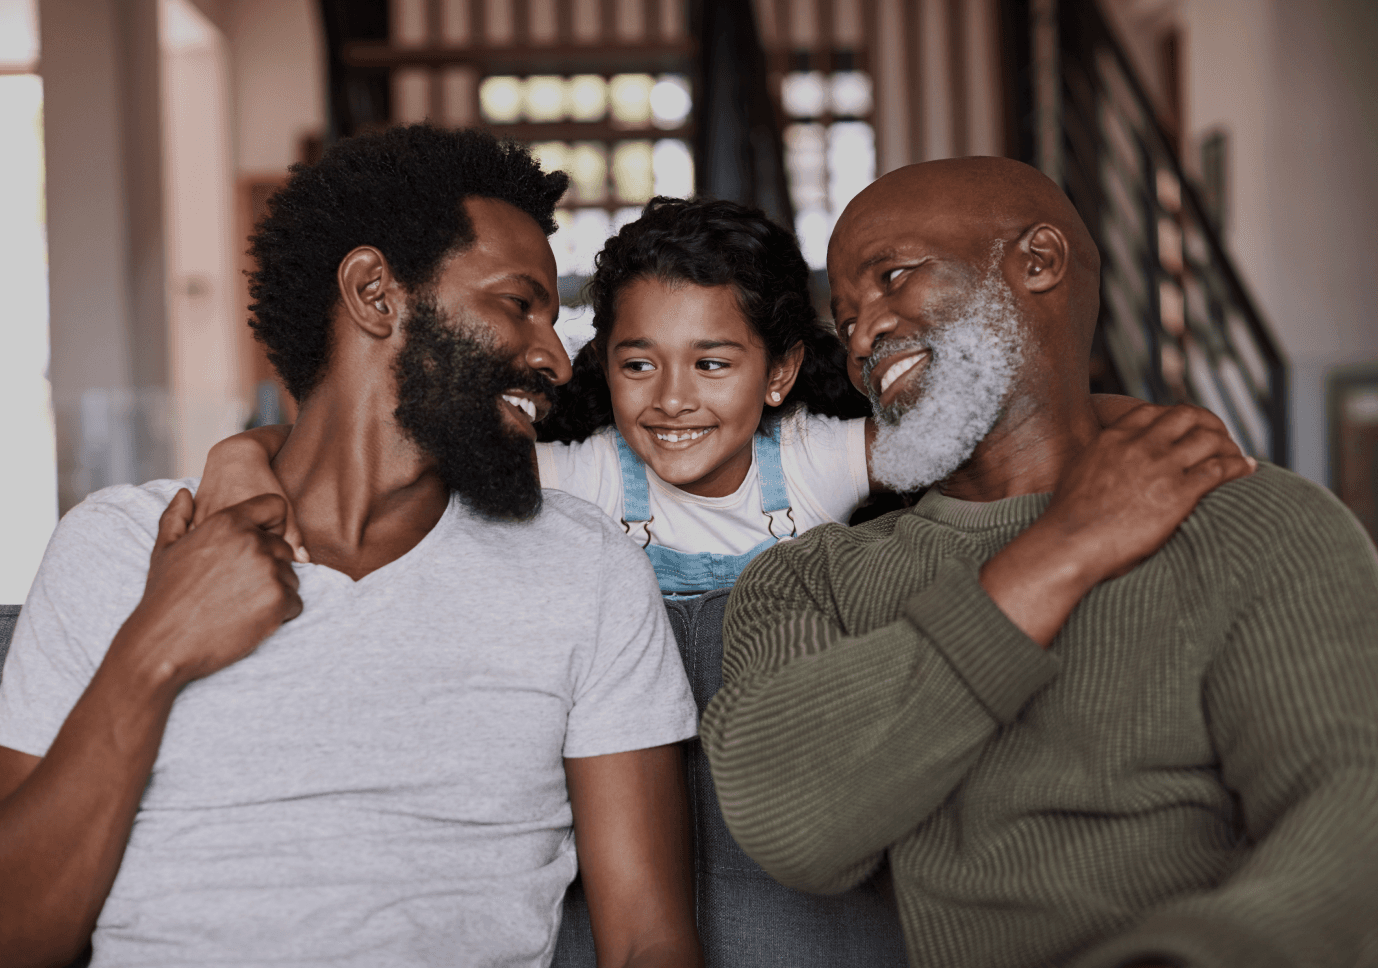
(638, 366)
(712, 365)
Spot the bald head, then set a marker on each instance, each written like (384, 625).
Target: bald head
(968, 205)
(991, 197)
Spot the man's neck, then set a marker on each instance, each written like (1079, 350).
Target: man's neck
(363, 493)
(1027, 450)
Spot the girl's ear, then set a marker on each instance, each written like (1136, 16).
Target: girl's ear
(783, 375)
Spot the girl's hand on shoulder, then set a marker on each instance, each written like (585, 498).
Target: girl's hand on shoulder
(240, 467)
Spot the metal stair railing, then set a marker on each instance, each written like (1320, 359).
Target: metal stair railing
(1177, 322)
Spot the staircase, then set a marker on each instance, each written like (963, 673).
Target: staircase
(1176, 323)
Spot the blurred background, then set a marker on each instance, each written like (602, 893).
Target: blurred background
(1223, 153)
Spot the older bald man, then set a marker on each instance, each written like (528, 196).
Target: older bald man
(1156, 750)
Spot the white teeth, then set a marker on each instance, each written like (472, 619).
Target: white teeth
(900, 369)
(522, 404)
(676, 438)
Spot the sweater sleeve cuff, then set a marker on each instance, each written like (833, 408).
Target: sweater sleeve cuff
(1001, 665)
(1186, 941)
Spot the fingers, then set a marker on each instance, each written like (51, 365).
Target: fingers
(1111, 407)
(1217, 469)
(293, 536)
(175, 520)
(290, 583)
(265, 511)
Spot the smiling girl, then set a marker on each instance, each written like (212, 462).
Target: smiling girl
(710, 413)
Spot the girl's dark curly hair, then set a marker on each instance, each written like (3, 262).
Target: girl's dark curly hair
(709, 243)
(400, 190)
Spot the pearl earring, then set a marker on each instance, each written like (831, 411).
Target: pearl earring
(775, 396)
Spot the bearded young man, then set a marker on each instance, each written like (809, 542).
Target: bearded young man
(473, 671)
(1159, 749)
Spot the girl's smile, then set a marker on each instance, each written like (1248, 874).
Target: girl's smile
(689, 380)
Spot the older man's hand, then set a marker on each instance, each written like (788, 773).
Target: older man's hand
(1127, 492)
(1117, 503)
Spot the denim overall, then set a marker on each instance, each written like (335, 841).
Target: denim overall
(693, 573)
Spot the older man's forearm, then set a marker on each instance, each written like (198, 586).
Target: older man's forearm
(827, 748)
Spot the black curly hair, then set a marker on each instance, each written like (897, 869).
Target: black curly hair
(709, 243)
(400, 190)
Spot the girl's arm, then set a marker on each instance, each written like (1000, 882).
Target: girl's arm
(240, 467)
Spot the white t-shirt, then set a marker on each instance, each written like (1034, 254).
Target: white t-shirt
(381, 782)
(824, 460)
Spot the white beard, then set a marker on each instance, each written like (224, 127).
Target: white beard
(975, 354)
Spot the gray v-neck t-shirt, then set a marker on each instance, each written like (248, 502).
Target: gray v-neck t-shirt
(381, 782)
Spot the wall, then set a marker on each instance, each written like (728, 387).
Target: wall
(278, 57)
(209, 402)
(108, 323)
(1294, 83)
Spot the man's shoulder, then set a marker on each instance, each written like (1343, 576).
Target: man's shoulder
(1274, 500)
(1275, 519)
(566, 512)
(569, 532)
(122, 512)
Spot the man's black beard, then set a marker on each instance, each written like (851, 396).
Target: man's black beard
(449, 389)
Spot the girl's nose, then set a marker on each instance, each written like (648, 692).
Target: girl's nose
(675, 393)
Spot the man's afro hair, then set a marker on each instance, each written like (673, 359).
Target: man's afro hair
(399, 190)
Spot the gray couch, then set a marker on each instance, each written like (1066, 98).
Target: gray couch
(746, 920)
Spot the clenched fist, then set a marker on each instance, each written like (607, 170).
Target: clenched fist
(213, 594)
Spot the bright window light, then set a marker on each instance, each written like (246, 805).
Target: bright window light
(631, 98)
(500, 99)
(806, 156)
(588, 97)
(551, 155)
(670, 101)
(804, 93)
(851, 161)
(544, 98)
(813, 226)
(589, 229)
(851, 94)
(588, 168)
(673, 167)
(631, 171)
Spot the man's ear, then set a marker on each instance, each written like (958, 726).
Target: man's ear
(369, 295)
(1046, 256)
(783, 375)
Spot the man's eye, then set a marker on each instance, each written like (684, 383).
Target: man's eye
(847, 328)
(888, 275)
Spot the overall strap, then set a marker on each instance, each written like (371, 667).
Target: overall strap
(774, 495)
(636, 493)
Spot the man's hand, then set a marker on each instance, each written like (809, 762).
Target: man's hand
(214, 593)
(211, 596)
(1128, 491)
(240, 467)
(1117, 503)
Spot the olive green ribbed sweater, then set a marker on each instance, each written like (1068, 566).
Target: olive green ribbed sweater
(1189, 774)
